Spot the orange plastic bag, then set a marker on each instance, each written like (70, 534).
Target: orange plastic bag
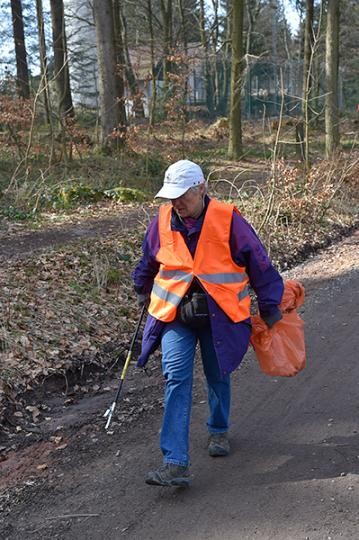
(280, 350)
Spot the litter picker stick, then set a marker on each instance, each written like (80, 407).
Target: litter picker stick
(108, 414)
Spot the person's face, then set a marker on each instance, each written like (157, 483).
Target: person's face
(190, 204)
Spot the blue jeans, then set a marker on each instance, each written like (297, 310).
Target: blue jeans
(178, 351)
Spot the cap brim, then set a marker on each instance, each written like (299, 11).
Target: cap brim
(171, 192)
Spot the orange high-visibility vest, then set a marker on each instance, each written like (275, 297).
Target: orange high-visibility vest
(212, 265)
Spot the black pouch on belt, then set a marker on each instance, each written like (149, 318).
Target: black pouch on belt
(193, 310)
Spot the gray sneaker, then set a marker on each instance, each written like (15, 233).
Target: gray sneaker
(218, 444)
(169, 475)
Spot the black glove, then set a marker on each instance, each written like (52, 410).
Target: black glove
(143, 299)
(270, 320)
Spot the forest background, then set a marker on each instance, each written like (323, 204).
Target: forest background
(98, 98)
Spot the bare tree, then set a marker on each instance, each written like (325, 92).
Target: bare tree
(61, 67)
(166, 13)
(153, 103)
(331, 73)
(214, 35)
(116, 23)
(235, 121)
(43, 58)
(308, 51)
(22, 70)
(253, 9)
(124, 56)
(222, 105)
(112, 107)
(207, 66)
(183, 17)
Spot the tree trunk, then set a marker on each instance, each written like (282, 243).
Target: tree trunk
(308, 52)
(331, 72)
(22, 71)
(43, 59)
(130, 75)
(184, 33)
(250, 27)
(235, 122)
(207, 67)
(119, 53)
(215, 35)
(185, 52)
(226, 66)
(253, 10)
(153, 103)
(112, 108)
(166, 12)
(61, 66)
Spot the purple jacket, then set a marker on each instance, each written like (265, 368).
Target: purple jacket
(230, 339)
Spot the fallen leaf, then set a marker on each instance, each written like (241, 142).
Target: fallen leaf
(61, 447)
(34, 410)
(55, 439)
(25, 342)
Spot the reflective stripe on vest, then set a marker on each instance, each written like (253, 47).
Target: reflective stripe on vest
(176, 274)
(212, 265)
(224, 277)
(165, 295)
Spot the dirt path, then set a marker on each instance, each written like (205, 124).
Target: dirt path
(293, 473)
(107, 220)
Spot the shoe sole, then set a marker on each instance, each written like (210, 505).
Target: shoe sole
(178, 482)
(218, 453)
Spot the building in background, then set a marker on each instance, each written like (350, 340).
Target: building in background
(262, 92)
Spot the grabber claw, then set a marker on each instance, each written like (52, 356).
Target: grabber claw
(108, 414)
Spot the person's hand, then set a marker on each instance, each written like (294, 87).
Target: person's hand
(272, 319)
(143, 299)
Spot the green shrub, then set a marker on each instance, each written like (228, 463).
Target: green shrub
(74, 194)
(123, 194)
(16, 214)
(154, 165)
(114, 276)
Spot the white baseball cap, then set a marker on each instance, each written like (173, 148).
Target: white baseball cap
(179, 178)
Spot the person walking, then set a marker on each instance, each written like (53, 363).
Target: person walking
(199, 258)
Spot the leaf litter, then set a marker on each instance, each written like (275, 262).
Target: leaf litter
(66, 308)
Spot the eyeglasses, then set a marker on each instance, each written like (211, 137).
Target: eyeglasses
(187, 194)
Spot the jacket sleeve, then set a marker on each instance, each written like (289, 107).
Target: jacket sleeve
(247, 250)
(147, 268)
